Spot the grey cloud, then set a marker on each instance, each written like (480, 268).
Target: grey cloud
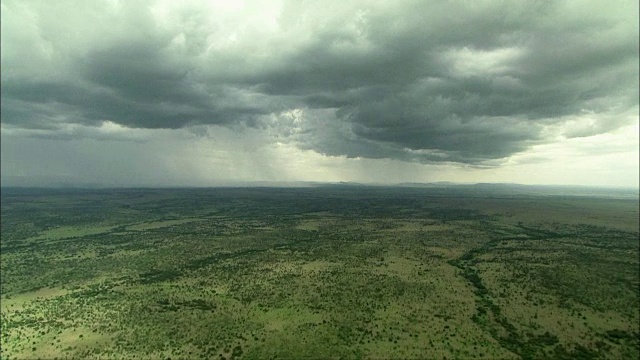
(417, 81)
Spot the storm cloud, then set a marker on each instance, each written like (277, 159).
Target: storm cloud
(418, 81)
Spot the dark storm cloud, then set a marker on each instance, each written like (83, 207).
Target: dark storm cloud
(131, 84)
(417, 81)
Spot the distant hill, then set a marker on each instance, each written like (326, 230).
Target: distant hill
(483, 189)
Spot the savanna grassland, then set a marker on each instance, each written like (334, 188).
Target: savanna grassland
(324, 272)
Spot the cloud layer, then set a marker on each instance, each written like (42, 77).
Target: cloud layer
(424, 81)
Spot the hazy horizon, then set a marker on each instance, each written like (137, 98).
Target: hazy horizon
(498, 187)
(197, 93)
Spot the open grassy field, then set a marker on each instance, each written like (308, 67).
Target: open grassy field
(326, 272)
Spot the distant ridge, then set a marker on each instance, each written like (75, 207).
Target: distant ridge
(487, 189)
(504, 189)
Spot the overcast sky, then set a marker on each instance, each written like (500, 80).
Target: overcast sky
(197, 93)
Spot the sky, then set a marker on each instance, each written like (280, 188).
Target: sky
(206, 93)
